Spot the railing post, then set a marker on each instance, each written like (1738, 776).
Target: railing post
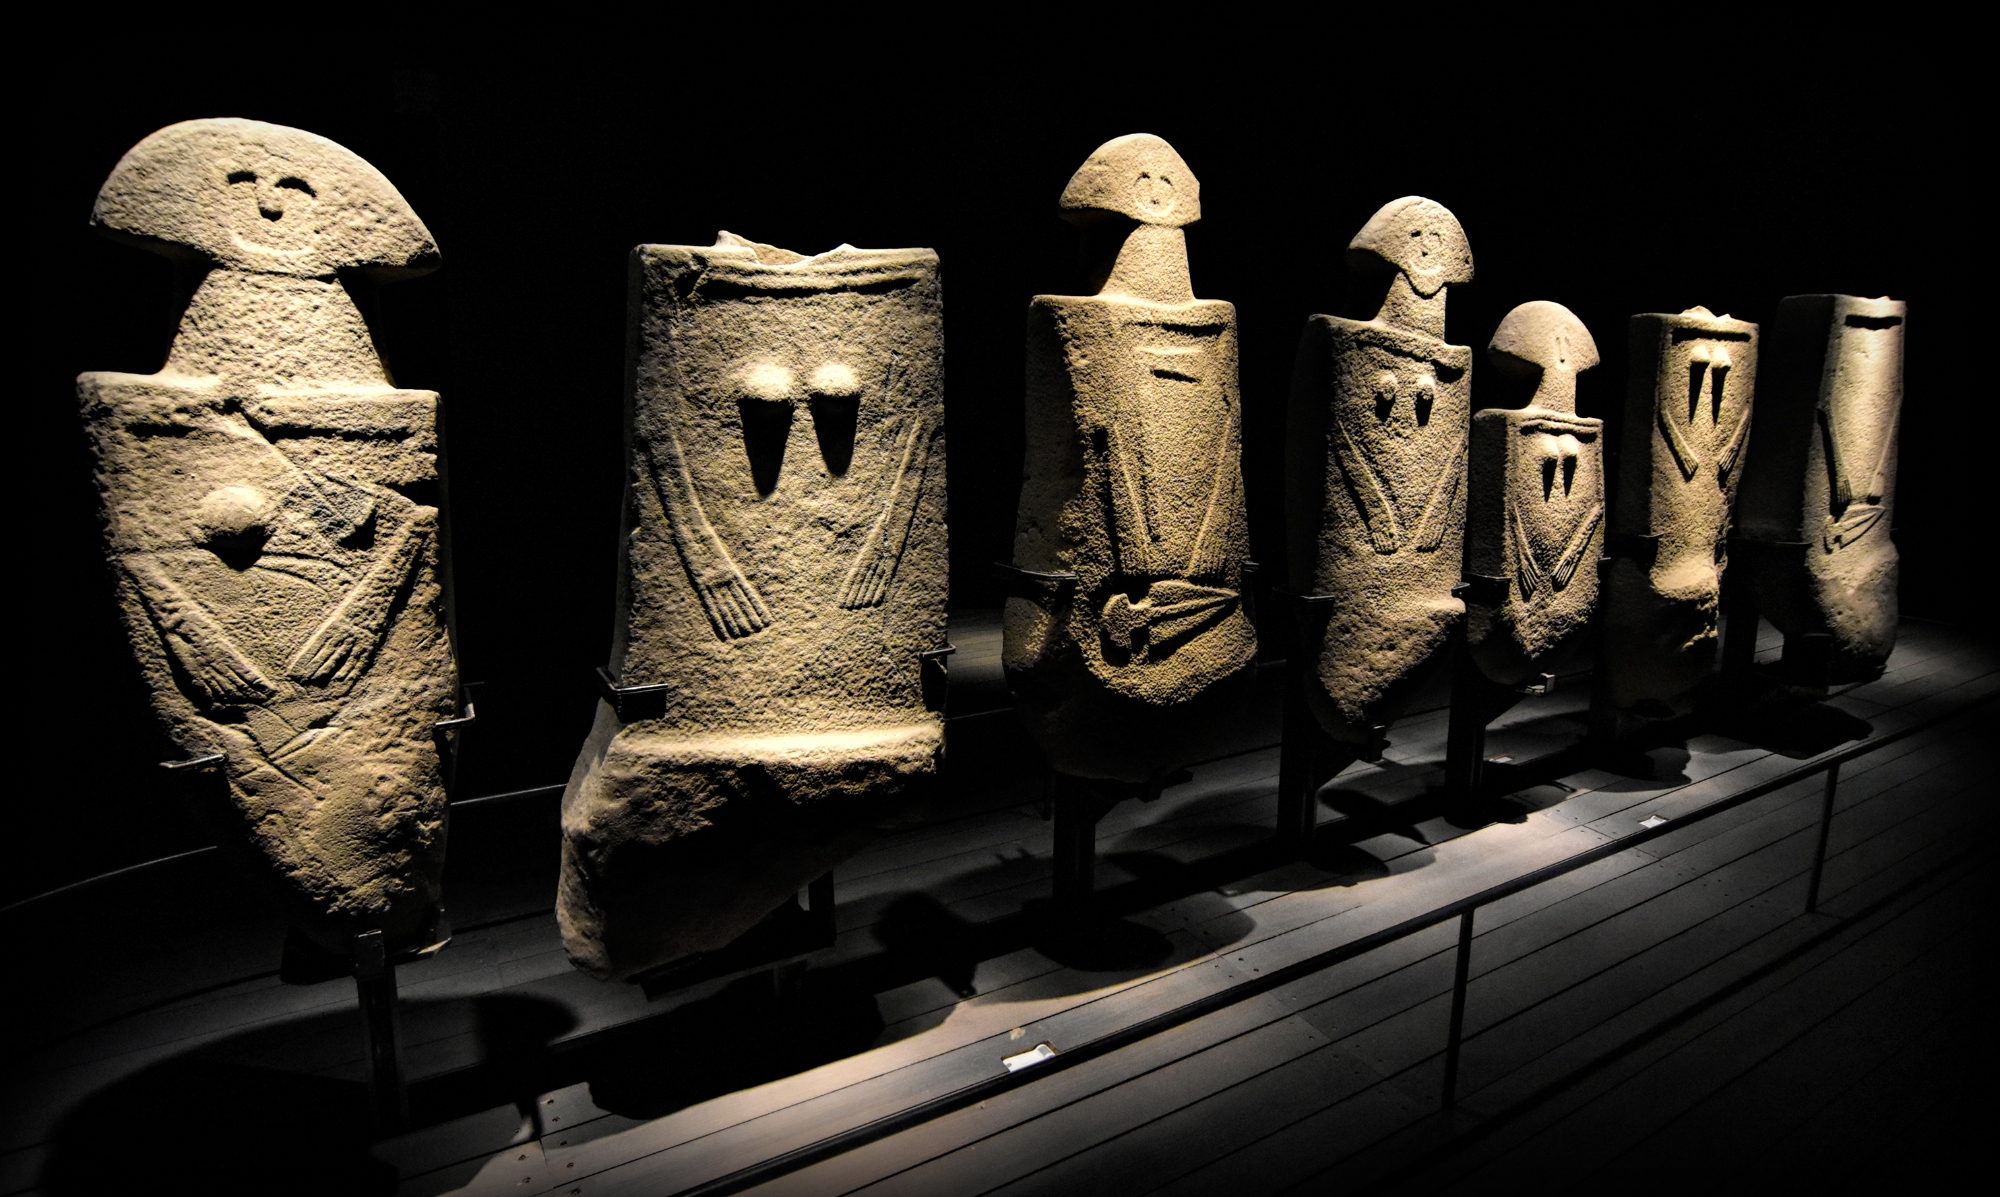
(1457, 1009)
(1825, 826)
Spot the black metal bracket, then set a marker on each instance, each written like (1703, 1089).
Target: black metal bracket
(633, 703)
(206, 760)
(932, 675)
(1485, 590)
(1044, 590)
(456, 722)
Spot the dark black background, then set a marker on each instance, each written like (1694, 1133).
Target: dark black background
(1614, 183)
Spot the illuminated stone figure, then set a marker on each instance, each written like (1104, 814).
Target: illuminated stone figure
(1687, 424)
(1126, 637)
(270, 497)
(1375, 476)
(782, 582)
(1535, 521)
(1819, 489)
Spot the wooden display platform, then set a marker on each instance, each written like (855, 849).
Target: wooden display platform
(1664, 996)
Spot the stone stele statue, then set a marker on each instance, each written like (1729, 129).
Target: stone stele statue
(1535, 520)
(1687, 423)
(783, 580)
(1819, 488)
(1126, 639)
(270, 499)
(1375, 474)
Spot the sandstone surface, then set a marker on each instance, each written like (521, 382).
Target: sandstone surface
(1535, 519)
(270, 499)
(1375, 489)
(1127, 643)
(1819, 488)
(1687, 425)
(782, 577)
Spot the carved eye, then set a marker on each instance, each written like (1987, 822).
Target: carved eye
(243, 176)
(294, 183)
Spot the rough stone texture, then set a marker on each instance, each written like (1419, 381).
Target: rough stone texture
(1687, 425)
(1375, 471)
(784, 570)
(1132, 484)
(1819, 489)
(1535, 515)
(270, 503)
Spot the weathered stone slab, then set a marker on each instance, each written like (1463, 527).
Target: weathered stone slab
(1687, 425)
(783, 575)
(270, 499)
(1375, 476)
(1128, 654)
(1819, 488)
(1535, 517)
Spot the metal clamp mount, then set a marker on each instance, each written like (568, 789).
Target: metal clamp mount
(633, 703)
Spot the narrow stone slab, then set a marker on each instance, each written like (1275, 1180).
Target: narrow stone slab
(1687, 424)
(1819, 489)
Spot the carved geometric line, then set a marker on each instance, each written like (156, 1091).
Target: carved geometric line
(346, 640)
(1573, 552)
(1206, 558)
(1134, 538)
(867, 583)
(1437, 514)
(1732, 450)
(733, 606)
(1527, 571)
(1683, 453)
(1378, 511)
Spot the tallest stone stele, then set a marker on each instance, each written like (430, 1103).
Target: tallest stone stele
(271, 504)
(1127, 642)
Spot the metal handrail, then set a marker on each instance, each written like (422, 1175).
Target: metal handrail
(1462, 909)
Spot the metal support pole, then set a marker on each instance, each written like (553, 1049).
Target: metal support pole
(1465, 737)
(375, 985)
(1076, 844)
(1457, 1009)
(819, 904)
(1825, 826)
(1298, 798)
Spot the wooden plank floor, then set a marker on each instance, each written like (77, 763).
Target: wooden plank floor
(1607, 996)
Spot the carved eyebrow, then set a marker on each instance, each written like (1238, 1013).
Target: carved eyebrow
(298, 184)
(242, 176)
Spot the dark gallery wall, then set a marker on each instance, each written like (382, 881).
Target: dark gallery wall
(1640, 190)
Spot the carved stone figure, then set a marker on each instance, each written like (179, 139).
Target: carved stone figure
(783, 579)
(1375, 476)
(1536, 509)
(1126, 638)
(1819, 490)
(1687, 424)
(271, 503)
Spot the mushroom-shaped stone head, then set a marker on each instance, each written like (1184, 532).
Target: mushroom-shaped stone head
(1137, 176)
(263, 198)
(1418, 237)
(1544, 339)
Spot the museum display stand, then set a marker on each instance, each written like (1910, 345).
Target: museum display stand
(938, 939)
